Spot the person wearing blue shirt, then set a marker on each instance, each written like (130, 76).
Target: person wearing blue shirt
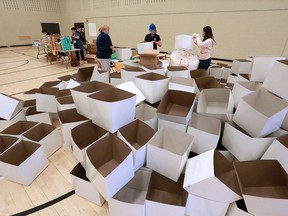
(153, 37)
(78, 44)
(104, 48)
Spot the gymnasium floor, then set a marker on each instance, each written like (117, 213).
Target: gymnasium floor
(20, 71)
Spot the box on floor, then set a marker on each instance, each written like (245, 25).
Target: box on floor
(129, 73)
(9, 107)
(6, 142)
(132, 88)
(182, 84)
(30, 95)
(148, 115)
(83, 187)
(109, 165)
(215, 178)
(207, 82)
(84, 74)
(155, 69)
(59, 84)
(263, 182)
(23, 162)
(256, 115)
(216, 71)
(64, 103)
(19, 128)
(130, 200)
(28, 103)
(136, 135)
(63, 93)
(164, 124)
(34, 116)
(149, 59)
(153, 86)
(198, 73)
(112, 108)
(167, 152)
(6, 123)
(178, 71)
(83, 136)
(46, 99)
(240, 66)
(206, 132)
(234, 210)
(115, 79)
(91, 58)
(100, 75)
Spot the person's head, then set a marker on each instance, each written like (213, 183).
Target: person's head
(152, 29)
(44, 31)
(78, 28)
(73, 30)
(207, 33)
(105, 29)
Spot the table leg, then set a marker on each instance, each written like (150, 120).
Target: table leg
(38, 48)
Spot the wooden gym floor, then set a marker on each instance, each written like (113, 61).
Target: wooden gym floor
(20, 71)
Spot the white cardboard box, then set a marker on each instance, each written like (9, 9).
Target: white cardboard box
(178, 71)
(182, 84)
(264, 187)
(136, 135)
(6, 123)
(183, 41)
(130, 200)
(207, 82)
(6, 142)
(285, 123)
(164, 124)
(71, 83)
(217, 103)
(64, 103)
(123, 53)
(240, 66)
(210, 175)
(83, 186)
(115, 79)
(153, 86)
(216, 71)
(256, 115)
(144, 47)
(129, 73)
(275, 81)
(83, 136)
(46, 135)
(109, 165)
(206, 132)
(243, 146)
(30, 95)
(233, 210)
(100, 75)
(278, 150)
(33, 115)
(23, 162)
(9, 107)
(19, 128)
(155, 69)
(45, 99)
(148, 115)
(112, 108)
(81, 93)
(165, 197)
(167, 152)
(132, 88)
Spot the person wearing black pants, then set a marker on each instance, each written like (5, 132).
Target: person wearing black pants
(78, 44)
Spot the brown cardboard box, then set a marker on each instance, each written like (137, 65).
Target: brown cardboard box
(84, 74)
(91, 48)
(148, 59)
(264, 185)
(207, 83)
(6, 142)
(19, 128)
(198, 73)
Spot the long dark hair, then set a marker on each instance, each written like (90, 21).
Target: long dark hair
(208, 33)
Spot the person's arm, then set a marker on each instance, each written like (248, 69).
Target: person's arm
(158, 41)
(109, 43)
(76, 36)
(200, 43)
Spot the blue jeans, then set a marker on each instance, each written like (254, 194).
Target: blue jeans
(204, 64)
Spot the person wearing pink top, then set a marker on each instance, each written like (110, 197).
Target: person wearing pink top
(205, 46)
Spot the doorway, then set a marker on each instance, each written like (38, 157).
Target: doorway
(82, 30)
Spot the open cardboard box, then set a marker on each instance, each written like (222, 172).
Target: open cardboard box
(129, 73)
(243, 146)
(109, 165)
(234, 210)
(144, 47)
(217, 103)
(34, 116)
(83, 187)
(136, 135)
(164, 124)
(68, 120)
(9, 107)
(64, 103)
(45, 99)
(19, 128)
(23, 162)
(59, 84)
(153, 86)
(176, 106)
(165, 197)
(207, 82)
(182, 84)
(149, 59)
(6, 142)
(278, 150)
(204, 207)
(123, 53)
(285, 123)
(28, 103)
(115, 79)
(84, 74)
(215, 178)
(155, 69)
(83, 136)
(30, 95)
(264, 185)
(206, 132)
(46, 135)
(167, 152)
(148, 115)
(275, 80)
(100, 75)
(240, 66)
(178, 71)
(71, 83)
(6, 123)
(112, 108)
(256, 115)
(63, 93)
(132, 88)
(198, 73)
(130, 200)
(80, 96)
(216, 71)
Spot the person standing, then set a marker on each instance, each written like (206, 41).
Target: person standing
(78, 44)
(104, 48)
(205, 46)
(153, 37)
(78, 29)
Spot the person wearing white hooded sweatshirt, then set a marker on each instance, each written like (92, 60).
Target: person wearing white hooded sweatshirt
(205, 46)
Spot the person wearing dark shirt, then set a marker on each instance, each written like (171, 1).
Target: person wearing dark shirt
(78, 44)
(104, 48)
(78, 29)
(153, 37)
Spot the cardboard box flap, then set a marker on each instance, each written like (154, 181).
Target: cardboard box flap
(70, 115)
(51, 84)
(176, 68)
(29, 103)
(19, 128)
(262, 178)
(164, 190)
(207, 82)
(48, 91)
(18, 153)
(133, 69)
(65, 78)
(152, 76)
(198, 73)
(107, 153)
(242, 60)
(31, 91)
(63, 93)
(182, 81)
(85, 72)
(111, 95)
(252, 86)
(137, 133)
(283, 62)
(204, 123)
(66, 100)
(115, 75)
(145, 112)
(38, 132)
(93, 86)
(92, 133)
(283, 140)
(32, 111)
(79, 172)
(6, 142)
(217, 95)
